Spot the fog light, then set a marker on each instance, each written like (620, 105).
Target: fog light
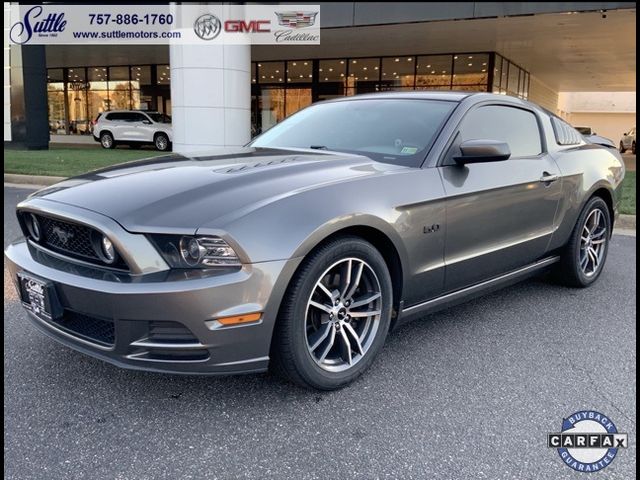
(33, 225)
(107, 250)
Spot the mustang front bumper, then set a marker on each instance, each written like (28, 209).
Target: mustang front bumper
(164, 321)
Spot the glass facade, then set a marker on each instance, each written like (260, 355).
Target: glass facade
(77, 95)
(278, 88)
(275, 96)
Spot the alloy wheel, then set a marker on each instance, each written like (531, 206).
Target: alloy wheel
(593, 240)
(161, 142)
(343, 314)
(107, 141)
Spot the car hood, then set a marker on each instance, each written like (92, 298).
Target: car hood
(177, 193)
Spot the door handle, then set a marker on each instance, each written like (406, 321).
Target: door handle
(548, 177)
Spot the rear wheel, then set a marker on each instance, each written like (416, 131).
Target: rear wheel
(106, 140)
(622, 149)
(633, 148)
(335, 315)
(585, 254)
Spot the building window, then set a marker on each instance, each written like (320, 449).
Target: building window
(364, 75)
(332, 78)
(398, 73)
(98, 93)
(470, 72)
(56, 107)
(298, 71)
(164, 75)
(433, 72)
(271, 72)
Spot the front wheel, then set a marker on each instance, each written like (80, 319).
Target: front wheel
(585, 254)
(633, 148)
(161, 142)
(622, 149)
(335, 315)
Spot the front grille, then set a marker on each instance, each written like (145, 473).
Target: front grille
(93, 329)
(67, 237)
(71, 240)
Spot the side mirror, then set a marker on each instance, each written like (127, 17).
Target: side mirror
(481, 151)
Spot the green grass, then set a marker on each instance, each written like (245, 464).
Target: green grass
(67, 161)
(628, 201)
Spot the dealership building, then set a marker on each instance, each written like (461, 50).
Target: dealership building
(223, 95)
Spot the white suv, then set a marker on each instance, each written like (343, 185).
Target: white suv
(133, 128)
(628, 141)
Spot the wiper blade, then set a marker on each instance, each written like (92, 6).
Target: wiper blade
(318, 147)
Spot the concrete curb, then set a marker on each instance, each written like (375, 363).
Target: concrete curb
(40, 180)
(626, 222)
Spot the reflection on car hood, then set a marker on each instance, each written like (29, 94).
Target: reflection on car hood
(177, 193)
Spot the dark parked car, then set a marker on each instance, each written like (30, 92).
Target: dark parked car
(302, 249)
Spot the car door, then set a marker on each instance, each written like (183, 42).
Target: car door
(500, 214)
(137, 126)
(114, 122)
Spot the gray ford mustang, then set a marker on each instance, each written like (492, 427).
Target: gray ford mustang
(304, 248)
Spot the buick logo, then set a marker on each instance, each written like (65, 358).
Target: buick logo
(207, 26)
(62, 235)
(296, 19)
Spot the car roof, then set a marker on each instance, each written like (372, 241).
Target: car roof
(413, 94)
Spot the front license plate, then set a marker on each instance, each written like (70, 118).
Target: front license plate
(38, 296)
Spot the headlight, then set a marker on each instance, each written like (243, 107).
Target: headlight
(195, 251)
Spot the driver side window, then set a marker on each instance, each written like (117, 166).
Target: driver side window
(517, 127)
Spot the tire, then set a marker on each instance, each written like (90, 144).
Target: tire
(107, 141)
(633, 148)
(300, 325)
(572, 270)
(161, 142)
(622, 149)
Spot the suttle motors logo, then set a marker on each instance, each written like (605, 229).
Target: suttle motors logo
(588, 441)
(34, 22)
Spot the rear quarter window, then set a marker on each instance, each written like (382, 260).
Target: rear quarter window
(565, 134)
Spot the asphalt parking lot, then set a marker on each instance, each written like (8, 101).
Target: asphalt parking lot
(470, 392)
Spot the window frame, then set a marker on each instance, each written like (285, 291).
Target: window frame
(446, 157)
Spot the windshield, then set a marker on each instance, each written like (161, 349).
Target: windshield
(389, 130)
(159, 117)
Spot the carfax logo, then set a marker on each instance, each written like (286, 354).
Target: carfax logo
(588, 441)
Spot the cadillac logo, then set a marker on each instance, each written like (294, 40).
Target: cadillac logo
(296, 19)
(207, 26)
(62, 235)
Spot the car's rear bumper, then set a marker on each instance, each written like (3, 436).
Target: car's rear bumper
(162, 322)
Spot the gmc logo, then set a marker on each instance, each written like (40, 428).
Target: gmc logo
(252, 26)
